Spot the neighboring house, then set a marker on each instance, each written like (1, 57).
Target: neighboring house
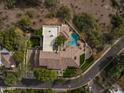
(65, 57)
(6, 59)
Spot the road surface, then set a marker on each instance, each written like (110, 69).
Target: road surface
(76, 83)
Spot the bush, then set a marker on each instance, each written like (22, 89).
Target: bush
(29, 91)
(60, 40)
(10, 78)
(10, 3)
(115, 4)
(18, 57)
(84, 89)
(38, 32)
(88, 25)
(51, 15)
(51, 3)
(11, 40)
(25, 21)
(85, 23)
(34, 41)
(71, 72)
(117, 27)
(43, 74)
(30, 13)
(64, 13)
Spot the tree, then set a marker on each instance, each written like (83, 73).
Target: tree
(116, 4)
(10, 3)
(43, 74)
(10, 78)
(64, 13)
(85, 23)
(94, 39)
(34, 41)
(11, 39)
(18, 56)
(60, 40)
(114, 69)
(51, 3)
(38, 32)
(88, 25)
(117, 26)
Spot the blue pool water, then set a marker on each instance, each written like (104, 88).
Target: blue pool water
(74, 38)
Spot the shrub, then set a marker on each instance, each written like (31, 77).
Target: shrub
(10, 3)
(18, 56)
(25, 21)
(60, 40)
(88, 25)
(10, 78)
(43, 74)
(64, 13)
(30, 13)
(50, 3)
(35, 41)
(71, 72)
(117, 27)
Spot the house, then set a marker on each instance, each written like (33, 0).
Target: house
(6, 59)
(65, 57)
(49, 35)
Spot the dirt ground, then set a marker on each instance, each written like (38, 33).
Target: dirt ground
(100, 9)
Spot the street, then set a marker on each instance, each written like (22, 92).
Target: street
(82, 80)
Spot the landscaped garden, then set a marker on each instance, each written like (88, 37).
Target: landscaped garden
(88, 26)
(13, 41)
(71, 72)
(44, 74)
(87, 63)
(34, 41)
(60, 40)
(84, 65)
(36, 38)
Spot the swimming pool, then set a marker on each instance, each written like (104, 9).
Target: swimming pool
(74, 38)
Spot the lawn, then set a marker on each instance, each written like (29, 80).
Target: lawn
(87, 64)
(71, 72)
(82, 57)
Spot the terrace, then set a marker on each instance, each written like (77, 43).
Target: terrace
(66, 55)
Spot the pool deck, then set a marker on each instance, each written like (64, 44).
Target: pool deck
(64, 57)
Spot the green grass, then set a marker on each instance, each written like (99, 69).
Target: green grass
(87, 64)
(71, 72)
(82, 57)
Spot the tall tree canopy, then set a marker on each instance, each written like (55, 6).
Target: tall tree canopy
(88, 25)
(11, 39)
(64, 13)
